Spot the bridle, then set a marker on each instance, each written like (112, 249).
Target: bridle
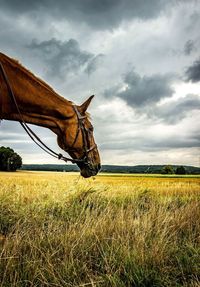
(80, 128)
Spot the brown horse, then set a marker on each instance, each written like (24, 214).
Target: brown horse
(38, 104)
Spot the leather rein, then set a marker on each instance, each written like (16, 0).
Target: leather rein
(40, 143)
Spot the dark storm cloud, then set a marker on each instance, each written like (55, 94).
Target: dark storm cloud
(61, 57)
(101, 14)
(141, 91)
(144, 94)
(193, 72)
(177, 110)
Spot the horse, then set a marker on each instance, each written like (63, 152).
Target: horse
(29, 100)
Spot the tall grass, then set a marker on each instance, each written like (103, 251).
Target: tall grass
(61, 230)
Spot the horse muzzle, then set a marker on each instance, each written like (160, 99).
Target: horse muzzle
(88, 170)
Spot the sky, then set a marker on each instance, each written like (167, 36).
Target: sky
(140, 58)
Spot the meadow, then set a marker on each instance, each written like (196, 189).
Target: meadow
(58, 229)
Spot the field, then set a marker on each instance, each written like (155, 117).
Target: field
(57, 229)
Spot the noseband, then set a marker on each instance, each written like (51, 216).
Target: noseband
(80, 127)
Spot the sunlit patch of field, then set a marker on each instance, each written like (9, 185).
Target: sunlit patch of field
(57, 229)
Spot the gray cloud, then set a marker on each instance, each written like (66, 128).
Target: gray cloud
(61, 57)
(94, 63)
(146, 141)
(193, 72)
(175, 111)
(154, 144)
(173, 142)
(142, 91)
(189, 47)
(12, 133)
(97, 14)
(144, 95)
(194, 19)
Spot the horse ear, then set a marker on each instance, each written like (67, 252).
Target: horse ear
(84, 106)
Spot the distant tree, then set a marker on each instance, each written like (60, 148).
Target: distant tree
(180, 170)
(168, 169)
(9, 160)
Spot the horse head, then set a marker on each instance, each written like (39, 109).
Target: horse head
(78, 140)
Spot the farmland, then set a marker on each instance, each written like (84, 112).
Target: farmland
(58, 229)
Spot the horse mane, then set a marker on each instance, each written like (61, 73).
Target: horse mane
(16, 64)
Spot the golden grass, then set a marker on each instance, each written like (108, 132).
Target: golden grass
(57, 229)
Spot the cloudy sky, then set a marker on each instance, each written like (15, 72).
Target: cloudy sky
(140, 58)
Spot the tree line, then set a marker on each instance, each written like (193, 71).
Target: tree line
(11, 161)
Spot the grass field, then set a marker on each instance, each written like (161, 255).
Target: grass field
(57, 229)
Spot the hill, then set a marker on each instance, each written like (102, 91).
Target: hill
(109, 168)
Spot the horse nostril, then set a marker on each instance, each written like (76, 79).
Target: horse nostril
(99, 166)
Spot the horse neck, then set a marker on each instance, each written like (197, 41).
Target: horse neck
(37, 102)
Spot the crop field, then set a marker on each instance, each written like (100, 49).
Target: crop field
(58, 229)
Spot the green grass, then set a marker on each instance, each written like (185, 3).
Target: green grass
(57, 229)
